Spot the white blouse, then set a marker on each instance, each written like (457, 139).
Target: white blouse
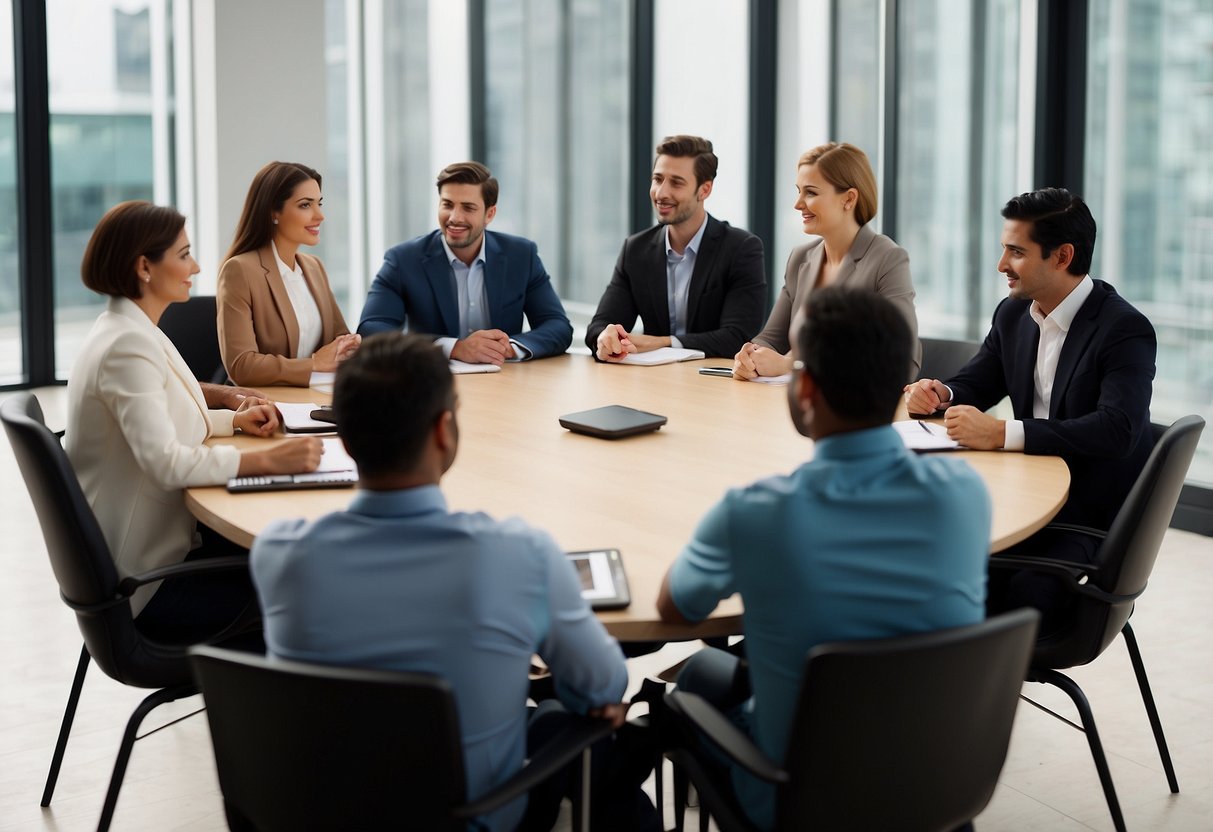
(307, 313)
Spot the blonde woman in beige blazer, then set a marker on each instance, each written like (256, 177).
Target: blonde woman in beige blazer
(836, 197)
(138, 420)
(277, 317)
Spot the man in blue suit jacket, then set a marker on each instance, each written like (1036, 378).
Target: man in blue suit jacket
(1077, 361)
(466, 286)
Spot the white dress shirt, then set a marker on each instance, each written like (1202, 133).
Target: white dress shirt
(1053, 330)
(307, 313)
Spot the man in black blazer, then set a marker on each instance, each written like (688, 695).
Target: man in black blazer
(1077, 361)
(694, 281)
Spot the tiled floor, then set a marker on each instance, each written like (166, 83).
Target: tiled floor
(1049, 782)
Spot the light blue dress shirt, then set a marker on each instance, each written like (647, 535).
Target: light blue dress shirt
(473, 300)
(679, 269)
(865, 541)
(398, 582)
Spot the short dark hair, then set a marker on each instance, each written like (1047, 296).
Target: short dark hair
(128, 231)
(1057, 217)
(387, 397)
(856, 345)
(470, 173)
(271, 187)
(700, 149)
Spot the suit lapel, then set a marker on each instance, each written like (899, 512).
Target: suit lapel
(1081, 331)
(442, 283)
(859, 247)
(658, 285)
(705, 261)
(806, 277)
(1023, 386)
(282, 300)
(496, 266)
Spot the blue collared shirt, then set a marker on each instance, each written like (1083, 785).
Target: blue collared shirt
(399, 582)
(865, 541)
(679, 269)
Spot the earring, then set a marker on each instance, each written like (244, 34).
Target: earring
(147, 278)
(275, 220)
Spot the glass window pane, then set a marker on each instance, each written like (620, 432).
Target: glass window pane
(557, 117)
(12, 369)
(100, 75)
(958, 71)
(701, 86)
(1149, 181)
(857, 78)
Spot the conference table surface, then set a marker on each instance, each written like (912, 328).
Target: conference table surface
(642, 495)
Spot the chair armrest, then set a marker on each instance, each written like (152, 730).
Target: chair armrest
(558, 752)
(724, 734)
(1076, 577)
(1071, 527)
(128, 585)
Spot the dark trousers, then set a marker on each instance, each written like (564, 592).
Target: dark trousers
(1011, 589)
(619, 765)
(212, 608)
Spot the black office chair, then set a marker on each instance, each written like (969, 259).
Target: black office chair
(1107, 591)
(906, 733)
(304, 746)
(942, 359)
(193, 329)
(89, 585)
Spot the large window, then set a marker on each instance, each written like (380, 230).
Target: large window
(11, 347)
(556, 109)
(956, 155)
(101, 58)
(1149, 180)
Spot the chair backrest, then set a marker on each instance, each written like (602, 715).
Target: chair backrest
(906, 733)
(194, 331)
(79, 555)
(303, 746)
(942, 359)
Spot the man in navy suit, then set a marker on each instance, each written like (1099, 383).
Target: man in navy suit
(694, 281)
(466, 286)
(1077, 361)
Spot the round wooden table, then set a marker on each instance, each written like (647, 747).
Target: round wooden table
(642, 495)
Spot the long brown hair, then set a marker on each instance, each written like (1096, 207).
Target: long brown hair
(269, 191)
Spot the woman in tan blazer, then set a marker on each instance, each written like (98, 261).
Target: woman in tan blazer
(836, 197)
(137, 422)
(278, 319)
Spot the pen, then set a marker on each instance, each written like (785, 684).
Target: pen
(923, 425)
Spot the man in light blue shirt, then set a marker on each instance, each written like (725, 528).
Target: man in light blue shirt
(399, 582)
(865, 541)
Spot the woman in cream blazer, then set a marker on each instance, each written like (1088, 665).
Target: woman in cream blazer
(277, 317)
(138, 419)
(836, 196)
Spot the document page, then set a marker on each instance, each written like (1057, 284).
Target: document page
(925, 436)
(462, 367)
(297, 418)
(335, 457)
(663, 355)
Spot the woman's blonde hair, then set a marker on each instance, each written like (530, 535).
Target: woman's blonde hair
(845, 166)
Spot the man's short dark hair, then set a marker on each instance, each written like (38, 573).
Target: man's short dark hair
(470, 173)
(694, 147)
(856, 346)
(386, 399)
(1057, 217)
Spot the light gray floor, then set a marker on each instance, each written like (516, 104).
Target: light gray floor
(1048, 783)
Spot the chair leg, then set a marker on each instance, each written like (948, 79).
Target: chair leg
(1075, 693)
(65, 729)
(682, 789)
(1147, 697)
(149, 704)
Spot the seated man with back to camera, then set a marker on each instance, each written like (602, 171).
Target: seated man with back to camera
(466, 286)
(867, 540)
(1077, 361)
(399, 582)
(693, 281)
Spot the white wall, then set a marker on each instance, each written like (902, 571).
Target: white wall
(259, 95)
